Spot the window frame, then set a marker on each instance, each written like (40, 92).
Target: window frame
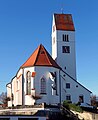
(65, 49)
(28, 83)
(65, 37)
(68, 97)
(67, 85)
(43, 86)
(81, 98)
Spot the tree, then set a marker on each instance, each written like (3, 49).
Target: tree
(93, 100)
(3, 97)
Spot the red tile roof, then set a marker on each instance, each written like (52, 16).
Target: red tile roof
(64, 22)
(40, 57)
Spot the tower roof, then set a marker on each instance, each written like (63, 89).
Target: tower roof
(64, 22)
(40, 57)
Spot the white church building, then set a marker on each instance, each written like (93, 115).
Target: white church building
(50, 79)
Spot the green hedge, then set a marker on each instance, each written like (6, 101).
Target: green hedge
(75, 107)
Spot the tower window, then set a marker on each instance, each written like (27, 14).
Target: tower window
(66, 38)
(68, 85)
(65, 49)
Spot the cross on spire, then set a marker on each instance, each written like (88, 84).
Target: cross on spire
(62, 6)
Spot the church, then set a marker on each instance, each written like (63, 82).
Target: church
(50, 79)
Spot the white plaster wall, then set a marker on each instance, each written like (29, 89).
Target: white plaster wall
(35, 83)
(74, 91)
(45, 72)
(28, 100)
(9, 94)
(9, 90)
(9, 103)
(54, 44)
(14, 90)
(17, 93)
(19, 88)
(67, 60)
(19, 72)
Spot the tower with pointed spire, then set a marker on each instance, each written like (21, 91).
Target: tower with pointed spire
(63, 43)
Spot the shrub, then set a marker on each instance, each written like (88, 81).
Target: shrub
(68, 105)
(75, 107)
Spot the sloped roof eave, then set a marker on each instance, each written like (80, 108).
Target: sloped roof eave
(42, 66)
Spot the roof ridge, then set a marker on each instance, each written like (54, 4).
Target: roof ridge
(37, 54)
(46, 53)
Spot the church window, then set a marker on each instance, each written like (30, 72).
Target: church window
(43, 86)
(68, 85)
(28, 83)
(66, 38)
(68, 97)
(65, 49)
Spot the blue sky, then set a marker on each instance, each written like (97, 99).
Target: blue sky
(24, 24)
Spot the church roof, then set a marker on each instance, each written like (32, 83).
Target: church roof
(40, 57)
(64, 22)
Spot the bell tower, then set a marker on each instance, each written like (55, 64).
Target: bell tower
(63, 43)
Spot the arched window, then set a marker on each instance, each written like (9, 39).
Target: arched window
(43, 86)
(28, 83)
